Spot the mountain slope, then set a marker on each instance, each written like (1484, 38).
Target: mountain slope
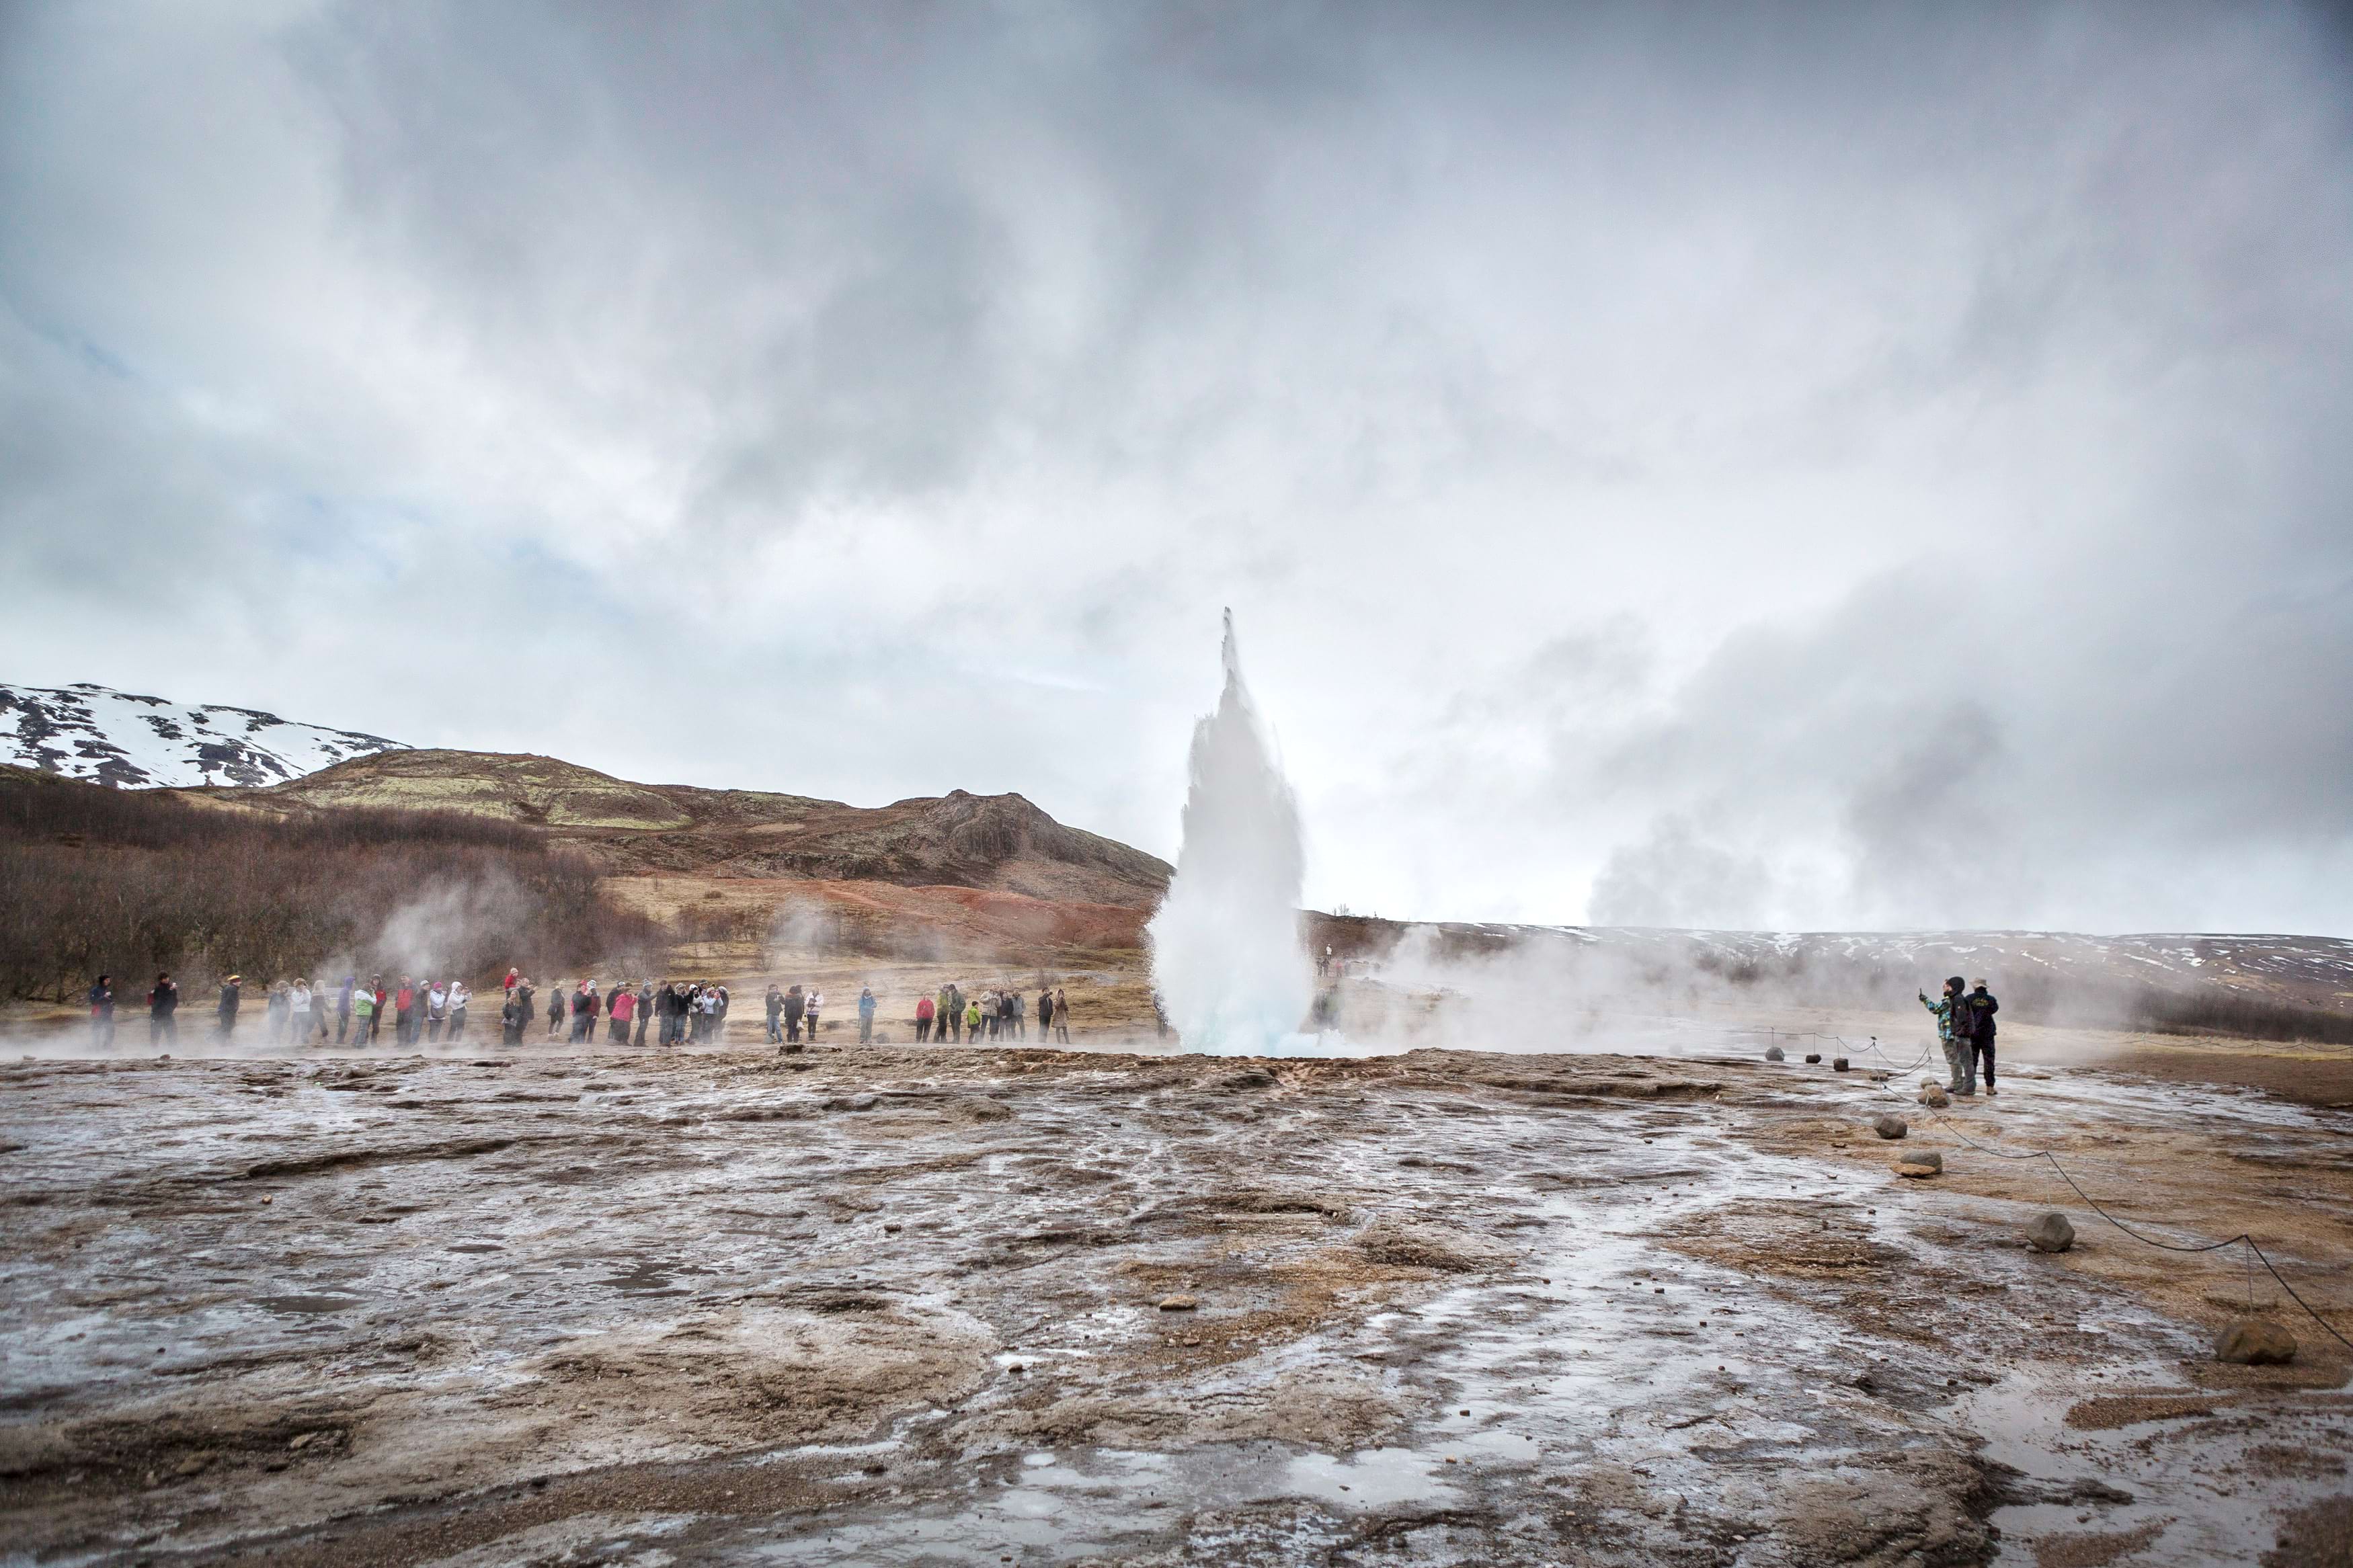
(1001, 842)
(115, 738)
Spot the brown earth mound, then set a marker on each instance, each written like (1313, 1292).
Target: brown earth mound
(999, 842)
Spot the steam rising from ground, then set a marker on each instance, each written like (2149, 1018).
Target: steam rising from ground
(1226, 951)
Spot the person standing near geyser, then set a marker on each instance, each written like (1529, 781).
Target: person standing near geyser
(231, 992)
(162, 1011)
(101, 1012)
(1947, 1009)
(1981, 1007)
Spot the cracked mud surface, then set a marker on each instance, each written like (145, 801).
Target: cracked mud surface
(900, 1305)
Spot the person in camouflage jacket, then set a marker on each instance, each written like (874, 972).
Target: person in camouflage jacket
(1953, 1027)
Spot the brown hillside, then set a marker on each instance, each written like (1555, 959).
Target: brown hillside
(993, 842)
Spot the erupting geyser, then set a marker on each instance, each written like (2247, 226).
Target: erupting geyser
(1226, 951)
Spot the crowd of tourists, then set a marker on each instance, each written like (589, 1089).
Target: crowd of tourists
(675, 1012)
(998, 1013)
(298, 1013)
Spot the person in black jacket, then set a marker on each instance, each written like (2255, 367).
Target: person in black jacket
(229, 996)
(162, 1012)
(1981, 1008)
(101, 1012)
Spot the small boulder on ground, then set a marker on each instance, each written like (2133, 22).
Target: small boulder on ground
(1813, 1056)
(1919, 1162)
(2051, 1233)
(1178, 1304)
(1933, 1094)
(1891, 1127)
(2254, 1341)
(1839, 1064)
(1775, 1053)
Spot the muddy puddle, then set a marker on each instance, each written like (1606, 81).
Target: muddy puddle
(911, 1306)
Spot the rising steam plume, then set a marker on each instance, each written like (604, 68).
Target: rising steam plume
(1227, 955)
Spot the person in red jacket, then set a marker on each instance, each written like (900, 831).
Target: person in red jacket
(404, 1012)
(923, 1014)
(620, 1010)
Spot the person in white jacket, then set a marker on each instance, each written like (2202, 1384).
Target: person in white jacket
(298, 1013)
(459, 997)
(809, 1012)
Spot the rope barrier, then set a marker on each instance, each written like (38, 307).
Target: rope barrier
(2256, 1252)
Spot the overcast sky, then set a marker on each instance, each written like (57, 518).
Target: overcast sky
(1813, 465)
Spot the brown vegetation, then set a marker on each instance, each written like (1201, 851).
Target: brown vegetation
(94, 881)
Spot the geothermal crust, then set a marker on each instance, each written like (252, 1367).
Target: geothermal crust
(902, 1305)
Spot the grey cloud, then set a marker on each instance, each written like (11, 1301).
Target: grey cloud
(1689, 465)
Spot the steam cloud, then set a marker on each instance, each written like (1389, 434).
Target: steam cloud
(1226, 951)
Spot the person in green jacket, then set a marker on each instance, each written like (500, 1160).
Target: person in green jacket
(363, 1015)
(1947, 1007)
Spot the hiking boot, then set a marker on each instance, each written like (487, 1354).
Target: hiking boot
(1989, 1088)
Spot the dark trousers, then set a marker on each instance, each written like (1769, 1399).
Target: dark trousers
(162, 1026)
(922, 1030)
(1984, 1049)
(865, 1028)
(342, 1024)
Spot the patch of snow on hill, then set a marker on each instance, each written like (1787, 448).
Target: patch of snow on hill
(129, 742)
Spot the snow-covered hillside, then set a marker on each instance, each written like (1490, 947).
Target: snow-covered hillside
(114, 738)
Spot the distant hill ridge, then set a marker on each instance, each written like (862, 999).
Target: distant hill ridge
(1002, 842)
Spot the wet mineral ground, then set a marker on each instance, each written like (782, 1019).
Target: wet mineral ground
(898, 1305)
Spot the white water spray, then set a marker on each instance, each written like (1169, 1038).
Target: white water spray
(1226, 951)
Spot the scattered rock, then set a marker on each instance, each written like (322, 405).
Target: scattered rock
(1934, 1096)
(2254, 1341)
(1891, 1127)
(1921, 1162)
(1775, 1053)
(1916, 1171)
(1813, 1056)
(1178, 1304)
(2051, 1233)
(1838, 1064)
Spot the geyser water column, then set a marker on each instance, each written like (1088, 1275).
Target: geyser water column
(1227, 955)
